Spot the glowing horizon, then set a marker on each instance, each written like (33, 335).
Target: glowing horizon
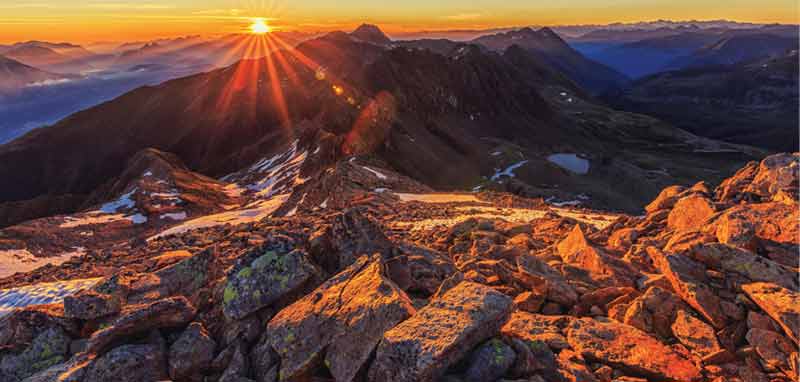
(124, 20)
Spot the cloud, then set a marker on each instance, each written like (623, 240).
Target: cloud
(464, 16)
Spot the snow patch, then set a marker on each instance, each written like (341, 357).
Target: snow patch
(252, 213)
(175, 216)
(508, 172)
(20, 260)
(124, 201)
(375, 172)
(41, 294)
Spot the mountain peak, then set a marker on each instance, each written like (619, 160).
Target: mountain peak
(371, 33)
(547, 32)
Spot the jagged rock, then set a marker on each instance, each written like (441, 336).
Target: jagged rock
(422, 347)
(532, 358)
(191, 354)
(353, 235)
(346, 316)
(427, 268)
(167, 313)
(689, 281)
(734, 186)
(529, 302)
(782, 304)
(490, 361)
(695, 334)
(89, 305)
(265, 362)
(745, 263)
(775, 173)
(774, 349)
(183, 278)
(73, 370)
(623, 238)
(48, 348)
(603, 270)
(690, 212)
(22, 326)
(665, 200)
(625, 347)
(550, 282)
(129, 363)
(572, 367)
(761, 321)
(264, 275)
(237, 369)
(736, 230)
(537, 330)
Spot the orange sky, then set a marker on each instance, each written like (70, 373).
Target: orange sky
(123, 20)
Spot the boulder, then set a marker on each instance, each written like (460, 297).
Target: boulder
(22, 326)
(191, 354)
(184, 278)
(690, 212)
(782, 304)
(135, 319)
(695, 334)
(345, 317)
(627, 348)
(733, 188)
(745, 263)
(90, 305)
(263, 276)
(353, 235)
(602, 270)
(48, 348)
(688, 279)
(238, 367)
(129, 363)
(665, 200)
(775, 173)
(424, 346)
(551, 283)
(537, 330)
(774, 349)
(736, 230)
(572, 367)
(490, 361)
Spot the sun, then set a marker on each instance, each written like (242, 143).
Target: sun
(260, 26)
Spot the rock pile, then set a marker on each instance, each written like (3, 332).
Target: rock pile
(703, 287)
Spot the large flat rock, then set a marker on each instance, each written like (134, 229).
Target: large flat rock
(346, 316)
(424, 346)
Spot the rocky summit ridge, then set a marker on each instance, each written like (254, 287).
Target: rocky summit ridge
(347, 281)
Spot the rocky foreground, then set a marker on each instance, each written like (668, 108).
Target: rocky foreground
(704, 287)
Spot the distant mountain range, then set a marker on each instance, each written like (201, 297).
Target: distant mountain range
(15, 75)
(451, 121)
(551, 49)
(641, 52)
(753, 103)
